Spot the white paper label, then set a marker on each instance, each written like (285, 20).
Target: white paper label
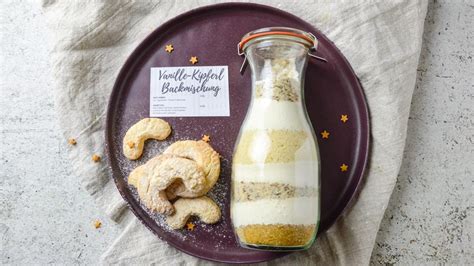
(189, 91)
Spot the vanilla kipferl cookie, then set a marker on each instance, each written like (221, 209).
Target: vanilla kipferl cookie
(147, 128)
(135, 175)
(165, 169)
(203, 207)
(152, 178)
(149, 196)
(205, 157)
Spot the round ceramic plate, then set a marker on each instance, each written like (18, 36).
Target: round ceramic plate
(212, 34)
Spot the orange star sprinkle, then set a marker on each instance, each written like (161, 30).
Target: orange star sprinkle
(206, 138)
(96, 158)
(72, 141)
(169, 48)
(344, 167)
(97, 224)
(344, 118)
(190, 226)
(193, 60)
(325, 134)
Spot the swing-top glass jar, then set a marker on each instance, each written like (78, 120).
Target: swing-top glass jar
(275, 169)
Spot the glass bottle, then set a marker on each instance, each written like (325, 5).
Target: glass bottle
(275, 168)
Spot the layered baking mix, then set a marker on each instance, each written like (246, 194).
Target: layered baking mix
(275, 166)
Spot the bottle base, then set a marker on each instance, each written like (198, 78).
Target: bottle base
(274, 248)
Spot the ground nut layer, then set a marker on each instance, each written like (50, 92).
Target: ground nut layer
(251, 191)
(282, 90)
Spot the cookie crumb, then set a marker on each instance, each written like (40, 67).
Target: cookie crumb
(206, 138)
(97, 224)
(325, 134)
(190, 226)
(131, 144)
(344, 118)
(169, 48)
(72, 141)
(344, 167)
(193, 60)
(96, 158)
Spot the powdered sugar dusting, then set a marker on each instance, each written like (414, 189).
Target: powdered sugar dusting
(219, 235)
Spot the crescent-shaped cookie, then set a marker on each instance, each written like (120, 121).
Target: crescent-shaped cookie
(152, 178)
(205, 156)
(165, 169)
(153, 199)
(203, 207)
(147, 128)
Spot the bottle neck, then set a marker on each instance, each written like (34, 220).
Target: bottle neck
(278, 69)
(279, 79)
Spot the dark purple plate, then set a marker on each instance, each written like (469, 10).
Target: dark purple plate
(212, 34)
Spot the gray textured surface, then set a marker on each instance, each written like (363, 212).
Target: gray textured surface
(46, 217)
(430, 215)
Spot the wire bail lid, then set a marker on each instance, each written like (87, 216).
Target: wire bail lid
(306, 38)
